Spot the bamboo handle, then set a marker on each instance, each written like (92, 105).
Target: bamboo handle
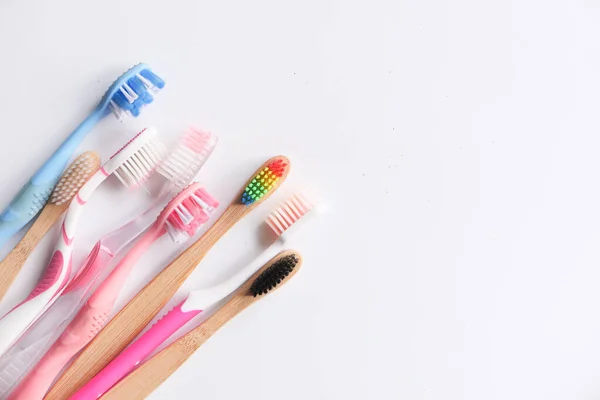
(138, 313)
(76, 175)
(147, 377)
(14, 261)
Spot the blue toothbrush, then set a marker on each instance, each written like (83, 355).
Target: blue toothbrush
(125, 97)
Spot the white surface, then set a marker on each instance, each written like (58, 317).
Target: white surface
(456, 144)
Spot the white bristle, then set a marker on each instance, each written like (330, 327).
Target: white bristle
(176, 235)
(128, 93)
(188, 157)
(117, 111)
(138, 167)
(184, 214)
(202, 204)
(148, 84)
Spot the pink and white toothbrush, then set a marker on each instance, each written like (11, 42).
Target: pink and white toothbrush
(132, 164)
(284, 221)
(182, 217)
(191, 151)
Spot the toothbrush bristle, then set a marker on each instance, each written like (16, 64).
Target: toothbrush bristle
(142, 162)
(76, 175)
(188, 157)
(274, 275)
(188, 211)
(288, 213)
(137, 91)
(263, 182)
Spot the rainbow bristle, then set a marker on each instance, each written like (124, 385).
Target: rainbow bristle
(263, 182)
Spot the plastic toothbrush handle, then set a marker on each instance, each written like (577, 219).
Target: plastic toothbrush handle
(39, 380)
(88, 322)
(18, 320)
(35, 193)
(135, 353)
(106, 294)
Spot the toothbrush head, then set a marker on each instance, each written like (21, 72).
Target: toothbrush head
(265, 181)
(288, 213)
(76, 175)
(187, 158)
(131, 92)
(282, 267)
(187, 212)
(137, 159)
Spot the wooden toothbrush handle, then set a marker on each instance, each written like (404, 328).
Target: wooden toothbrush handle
(140, 311)
(11, 264)
(147, 377)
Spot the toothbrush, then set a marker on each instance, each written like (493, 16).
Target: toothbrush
(141, 382)
(126, 96)
(185, 160)
(80, 170)
(130, 321)
(294, 211)
(182, 217)
(132, 164)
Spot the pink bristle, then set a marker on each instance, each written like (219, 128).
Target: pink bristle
(195, 207)
(197, 140)
(284, 216)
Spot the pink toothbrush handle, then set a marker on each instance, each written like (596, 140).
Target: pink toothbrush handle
(20, 318)
(85, 326)
(79, 332)
(135, 353)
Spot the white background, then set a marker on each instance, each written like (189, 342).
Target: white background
(456, 147)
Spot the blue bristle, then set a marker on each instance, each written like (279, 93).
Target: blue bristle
(140, 90)
(136, 84)
(246, 199)
(121, 101)
(152, 77)
(133, 91)
(147, 98)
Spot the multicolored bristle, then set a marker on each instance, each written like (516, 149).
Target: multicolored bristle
(263, 182)
(187, 212)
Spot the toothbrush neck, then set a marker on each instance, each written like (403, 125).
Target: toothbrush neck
(61, 156)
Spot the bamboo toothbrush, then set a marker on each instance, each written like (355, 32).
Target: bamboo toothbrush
(138, 313)
(180, 219)
(133, 163)
(142, 381)
(186, 158)
(284, 221)
(127, 96)
(80, 170)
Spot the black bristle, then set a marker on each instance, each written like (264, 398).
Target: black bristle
(273, 275)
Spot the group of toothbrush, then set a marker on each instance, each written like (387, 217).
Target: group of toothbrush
(65, 317)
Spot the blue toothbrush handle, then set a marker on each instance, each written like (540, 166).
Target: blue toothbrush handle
(33, 196)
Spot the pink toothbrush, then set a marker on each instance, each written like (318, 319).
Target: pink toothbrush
(185, 160)
(182, 217)
(134, 161)
(284, 221)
